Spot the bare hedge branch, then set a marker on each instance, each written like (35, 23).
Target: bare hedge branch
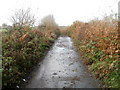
(22, 18)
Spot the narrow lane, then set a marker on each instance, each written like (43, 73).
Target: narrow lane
(62, 68)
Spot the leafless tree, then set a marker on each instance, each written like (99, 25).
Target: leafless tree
(22, 18)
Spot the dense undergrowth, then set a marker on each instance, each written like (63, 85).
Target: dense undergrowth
(21, 50)
(98, 40)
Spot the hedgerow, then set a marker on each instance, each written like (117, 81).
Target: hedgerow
(21, 50)
(98, 40)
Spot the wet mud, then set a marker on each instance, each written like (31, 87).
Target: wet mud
(62, 68)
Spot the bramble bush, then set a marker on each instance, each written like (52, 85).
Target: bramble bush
(98, 39)
(21, 50)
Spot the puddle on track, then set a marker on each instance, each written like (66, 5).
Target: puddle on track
(62, 68)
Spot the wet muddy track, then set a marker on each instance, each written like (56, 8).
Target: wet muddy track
(62, 68)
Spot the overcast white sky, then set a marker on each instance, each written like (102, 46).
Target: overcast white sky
(64, 11)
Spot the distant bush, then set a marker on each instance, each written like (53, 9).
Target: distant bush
(48, 23)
